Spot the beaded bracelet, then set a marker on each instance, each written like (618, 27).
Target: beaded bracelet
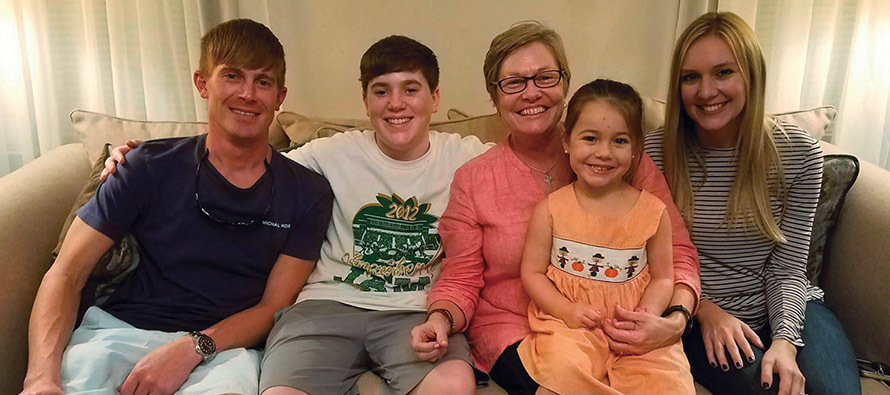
(447, 315)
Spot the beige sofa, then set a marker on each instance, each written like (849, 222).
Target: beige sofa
(35, 200)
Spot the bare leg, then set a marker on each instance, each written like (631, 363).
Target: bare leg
(282, 390)
(454, 377)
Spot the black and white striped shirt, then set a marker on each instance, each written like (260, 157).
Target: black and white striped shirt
(742, 271)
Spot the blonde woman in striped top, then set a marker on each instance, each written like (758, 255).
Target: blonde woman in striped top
(748, 187)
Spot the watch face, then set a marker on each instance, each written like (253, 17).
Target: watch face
(206, 344)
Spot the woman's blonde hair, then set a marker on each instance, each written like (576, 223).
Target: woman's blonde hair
(759, 175)
(519, 35)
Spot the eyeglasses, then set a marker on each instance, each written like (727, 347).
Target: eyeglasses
(248, 220)
(544, 79)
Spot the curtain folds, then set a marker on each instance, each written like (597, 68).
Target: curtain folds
(833, 52)
(134, 59)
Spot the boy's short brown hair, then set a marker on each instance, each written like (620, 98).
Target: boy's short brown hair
(242, 43)
(399, 53)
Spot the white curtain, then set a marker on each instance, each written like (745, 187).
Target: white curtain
(829, 52)
(131, 59)
(134, 58)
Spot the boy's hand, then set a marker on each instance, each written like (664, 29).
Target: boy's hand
(430, 339)
(118, 156)
(582, 315)
(163, 370)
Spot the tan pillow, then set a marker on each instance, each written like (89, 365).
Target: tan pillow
(814, 120)
(653, 114)
(94, 130)
(301, 129)
(489, 128)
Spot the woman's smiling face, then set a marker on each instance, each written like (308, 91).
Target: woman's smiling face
(713, 91)
(534, 110)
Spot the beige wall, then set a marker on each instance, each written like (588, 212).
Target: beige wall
(629, 41)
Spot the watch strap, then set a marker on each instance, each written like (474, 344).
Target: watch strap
(684, 311)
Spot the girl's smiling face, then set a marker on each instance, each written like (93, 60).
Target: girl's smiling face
(599, 145)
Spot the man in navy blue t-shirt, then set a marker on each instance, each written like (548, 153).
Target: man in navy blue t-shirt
(228, 231)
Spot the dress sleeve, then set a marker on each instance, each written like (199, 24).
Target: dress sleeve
(786, 283)
(686, 269)
(460, 279)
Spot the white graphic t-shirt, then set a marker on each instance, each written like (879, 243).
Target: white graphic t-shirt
(382, 247)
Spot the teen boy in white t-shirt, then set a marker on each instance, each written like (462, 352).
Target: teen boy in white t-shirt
(382, 250)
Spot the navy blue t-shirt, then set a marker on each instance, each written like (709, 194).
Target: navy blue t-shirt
(194, 271)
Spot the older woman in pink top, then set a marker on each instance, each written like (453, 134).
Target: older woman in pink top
(492, 197)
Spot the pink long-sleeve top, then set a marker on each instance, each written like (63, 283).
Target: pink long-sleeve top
(483, 231)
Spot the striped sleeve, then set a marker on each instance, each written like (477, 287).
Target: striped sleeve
(786, 283)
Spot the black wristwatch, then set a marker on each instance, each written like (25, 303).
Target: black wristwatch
(686, 314)
(204, 345)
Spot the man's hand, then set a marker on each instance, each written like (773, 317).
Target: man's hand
(118, 156)
(582, 315)
(781, 359)
(163, 370)
(430, 339)
(638, 332)
(720, 330)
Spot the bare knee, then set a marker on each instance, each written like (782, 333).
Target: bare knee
(454, 377)
(282, 390)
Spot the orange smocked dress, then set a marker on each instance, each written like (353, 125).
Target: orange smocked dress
(601, 261)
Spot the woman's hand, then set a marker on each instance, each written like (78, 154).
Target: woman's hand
(638, 332)
(781, 359)
(582, 315)
(720, 329)
(430, 339)
(118, 156)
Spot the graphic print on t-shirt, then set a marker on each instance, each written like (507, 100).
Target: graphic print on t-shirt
(395, 243)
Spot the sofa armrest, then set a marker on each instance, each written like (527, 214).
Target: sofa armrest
(34, 203)
(856, 271)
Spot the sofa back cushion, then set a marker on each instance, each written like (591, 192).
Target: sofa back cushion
(95, 130)
(489, 128)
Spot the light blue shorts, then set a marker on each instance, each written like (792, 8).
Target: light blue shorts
(104, 349)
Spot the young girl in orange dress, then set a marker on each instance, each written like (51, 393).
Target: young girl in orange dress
(595, 244)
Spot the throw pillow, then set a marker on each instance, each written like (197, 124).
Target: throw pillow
(117, 263)
(300, 129)
(94, 130)
(838, 175)
(814, 120)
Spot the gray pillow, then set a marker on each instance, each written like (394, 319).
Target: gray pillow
(113, 267)
(838, 175)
